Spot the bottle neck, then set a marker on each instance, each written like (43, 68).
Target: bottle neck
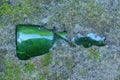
(63, 36)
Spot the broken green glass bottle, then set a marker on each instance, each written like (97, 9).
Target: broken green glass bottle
(34, 40)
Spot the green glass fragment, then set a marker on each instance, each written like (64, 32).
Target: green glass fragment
(32, 41)
(88, 42)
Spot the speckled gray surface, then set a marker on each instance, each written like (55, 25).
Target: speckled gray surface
(67, 63)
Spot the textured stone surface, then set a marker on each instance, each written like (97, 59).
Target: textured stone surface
(66, 63)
